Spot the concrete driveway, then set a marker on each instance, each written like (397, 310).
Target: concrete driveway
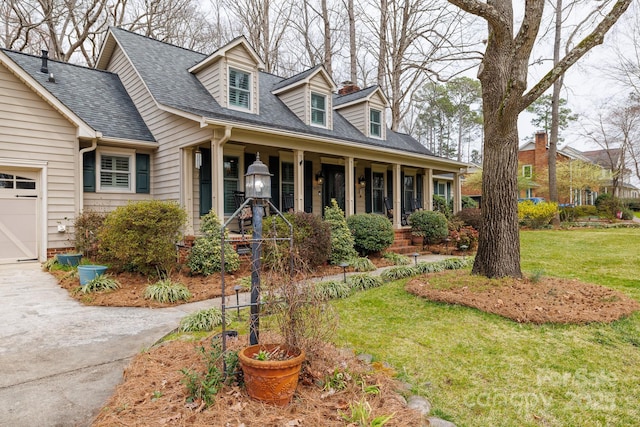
(60, 360)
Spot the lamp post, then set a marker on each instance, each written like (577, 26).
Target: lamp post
(257, 185)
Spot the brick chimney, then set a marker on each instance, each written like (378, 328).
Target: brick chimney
(347, 88)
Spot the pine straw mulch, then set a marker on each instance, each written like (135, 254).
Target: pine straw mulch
(132, 285)
(152, 393)
(547, 300)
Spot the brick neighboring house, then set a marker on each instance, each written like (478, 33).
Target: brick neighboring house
(534, 157)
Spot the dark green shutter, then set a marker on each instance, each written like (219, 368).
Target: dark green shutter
(89, 172)
(390, 185)
(419, 188)
(402, 193)
(368, 191)
(308, 186)
(355, 191)
(205, 182)
(274, 168)
(143, 173)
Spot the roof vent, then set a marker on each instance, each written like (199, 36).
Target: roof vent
(45, 57)
(51, 78)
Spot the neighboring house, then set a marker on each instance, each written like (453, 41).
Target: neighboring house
(533, 158)
(158, 121)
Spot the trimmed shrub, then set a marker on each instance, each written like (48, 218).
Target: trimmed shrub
(206, 254)
(142, 236)
(585, 210)
(341, 238)
(568, 214)
(468, 203)
(608, 206)
(536, 215)
(627, 214)
(466, 238)
(429, 224)
(311, 240)
(87, 227)
(470, 216)
(440, 205)
(371, 232)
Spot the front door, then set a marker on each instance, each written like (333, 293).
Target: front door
(334, 185)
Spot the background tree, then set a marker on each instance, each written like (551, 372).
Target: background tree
(542, 108)
(503, 75)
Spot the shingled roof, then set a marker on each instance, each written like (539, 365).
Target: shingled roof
(96, 97)
(164, 69)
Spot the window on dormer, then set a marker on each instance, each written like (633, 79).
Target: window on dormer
(239, 88)
(375, 123)
(318, 109)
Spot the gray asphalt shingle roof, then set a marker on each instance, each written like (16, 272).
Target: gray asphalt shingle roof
(353, 96)
(97, 97)
(164, 69)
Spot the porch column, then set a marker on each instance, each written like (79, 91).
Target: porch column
(187, 187)
(457, 193)
(298, 180)
(428, 189)
(217, 178)
(349, 183)
(397, 196)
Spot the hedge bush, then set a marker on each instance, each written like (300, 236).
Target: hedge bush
(142, 236)
(371, 232)
(470, 216)
(536, 215)
(440, 205)
(429, 224)
(206, 254)
(342, 242)
(311, 240)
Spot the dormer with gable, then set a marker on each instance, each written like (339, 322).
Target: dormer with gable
(365, 109)
(230, 74)
(309, 95)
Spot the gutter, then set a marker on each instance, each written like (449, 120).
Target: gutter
(94, 145)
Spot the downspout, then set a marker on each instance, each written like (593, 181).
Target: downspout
(94, 145)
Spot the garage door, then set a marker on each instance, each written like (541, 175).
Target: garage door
(18, 216)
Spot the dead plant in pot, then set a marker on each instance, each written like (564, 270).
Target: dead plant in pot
(294, 311)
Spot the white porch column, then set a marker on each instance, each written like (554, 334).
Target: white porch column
(187, 188)
(428, 189)
(457, 193)
(397, 196)
(298, 180)
(349, 183)
(217, 178)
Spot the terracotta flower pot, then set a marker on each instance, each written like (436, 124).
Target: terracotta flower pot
(271, 381)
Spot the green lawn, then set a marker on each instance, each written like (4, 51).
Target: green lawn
(482, 370)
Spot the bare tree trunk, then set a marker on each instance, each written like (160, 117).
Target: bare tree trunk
(382, 51)
(327, 38)
(353, 68)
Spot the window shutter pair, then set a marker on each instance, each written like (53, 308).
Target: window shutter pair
(143, 173)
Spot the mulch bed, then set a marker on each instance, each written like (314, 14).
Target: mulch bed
(152, 393)
(547, 300)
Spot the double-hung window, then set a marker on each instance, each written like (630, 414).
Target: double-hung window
(375, 123)
(239, 89)
(527, 171)
(318, 109)
(231, 182)
(115, 172)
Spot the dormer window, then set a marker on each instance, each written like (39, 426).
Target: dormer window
(375, 123)
(239, 89)
(318, 109)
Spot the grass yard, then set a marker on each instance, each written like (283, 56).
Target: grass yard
(479, 369)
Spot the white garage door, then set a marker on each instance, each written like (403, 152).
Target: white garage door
(18, 216)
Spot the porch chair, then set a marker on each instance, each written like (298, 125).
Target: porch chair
(245, 218)
(388, 207)
(287, 203)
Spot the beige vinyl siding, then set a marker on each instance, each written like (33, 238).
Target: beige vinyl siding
(376, 102)
(319, 85)
(357, 115)
(30, 129)
(210, 79)
(171, 132)
(297, 101)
